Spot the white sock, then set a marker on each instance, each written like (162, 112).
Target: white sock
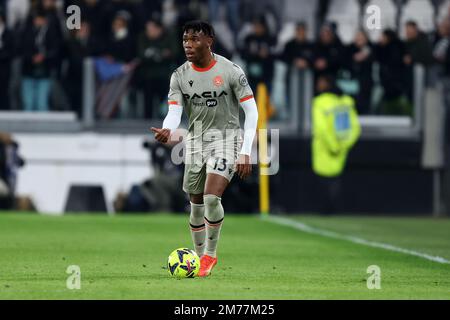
(213, 218)
(197, 226)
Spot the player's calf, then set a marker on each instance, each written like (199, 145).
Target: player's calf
(197, 226)
(214, 215)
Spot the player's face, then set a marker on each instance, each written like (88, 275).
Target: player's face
(196, 45)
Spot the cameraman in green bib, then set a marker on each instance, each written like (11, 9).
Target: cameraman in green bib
(335, 130)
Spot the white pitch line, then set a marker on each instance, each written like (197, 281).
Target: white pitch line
(330, 234)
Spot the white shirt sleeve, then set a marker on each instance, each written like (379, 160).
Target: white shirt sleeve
(173, 117)
(250, 125)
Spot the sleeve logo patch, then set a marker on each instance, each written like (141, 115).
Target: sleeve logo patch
(243, 80)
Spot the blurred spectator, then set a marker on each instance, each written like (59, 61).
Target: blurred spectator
(6, 56)
(55, 16)
(360, 53)
(232, 13)
(257, 53)
(40, 50)
(127, 9)
(101, 13)
(299, 52)
(389, 53)
(80, 45)
(120, 45)
(157, 52)
(111, 29)
(10, 162)
(328, 53)
(92, 12)
(418, 51)
(418, 48)
(441, 54)
(5, 197)
(335, 129)
(442, 42)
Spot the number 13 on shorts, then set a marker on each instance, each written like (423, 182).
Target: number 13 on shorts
(221, 167)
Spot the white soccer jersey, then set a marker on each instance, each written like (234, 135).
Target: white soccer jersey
(210, 95)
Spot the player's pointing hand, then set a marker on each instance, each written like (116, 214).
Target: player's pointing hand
(161, 135)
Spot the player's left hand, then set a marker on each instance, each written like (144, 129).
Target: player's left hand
(161, 135)
(243, 166)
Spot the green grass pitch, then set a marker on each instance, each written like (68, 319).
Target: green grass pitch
(124, 257)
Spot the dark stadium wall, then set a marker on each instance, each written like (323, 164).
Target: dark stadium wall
(381, 177)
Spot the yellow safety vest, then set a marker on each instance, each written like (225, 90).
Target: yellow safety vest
(335, 129)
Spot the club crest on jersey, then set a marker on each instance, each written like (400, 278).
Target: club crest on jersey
(218, 81)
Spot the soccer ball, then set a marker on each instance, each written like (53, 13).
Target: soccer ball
(183, 263)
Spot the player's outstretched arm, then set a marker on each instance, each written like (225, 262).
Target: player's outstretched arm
(170, 124)
(243, 164)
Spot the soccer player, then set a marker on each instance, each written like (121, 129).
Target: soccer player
(211, 89)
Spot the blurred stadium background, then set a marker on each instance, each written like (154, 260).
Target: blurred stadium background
(75, 119)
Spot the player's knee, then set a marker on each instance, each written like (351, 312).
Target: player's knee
(211, 200)
(213, 207)
(196, 198)
(197, 212)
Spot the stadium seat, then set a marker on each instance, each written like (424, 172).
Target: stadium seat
(246, 29)
(16, 11)
(388, 17)
(420, 11)
(345, 13)
(301, 10)
(443, 10)
(224, 34)
(342, 7)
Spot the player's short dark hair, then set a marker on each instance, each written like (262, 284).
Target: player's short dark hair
(198, 25)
